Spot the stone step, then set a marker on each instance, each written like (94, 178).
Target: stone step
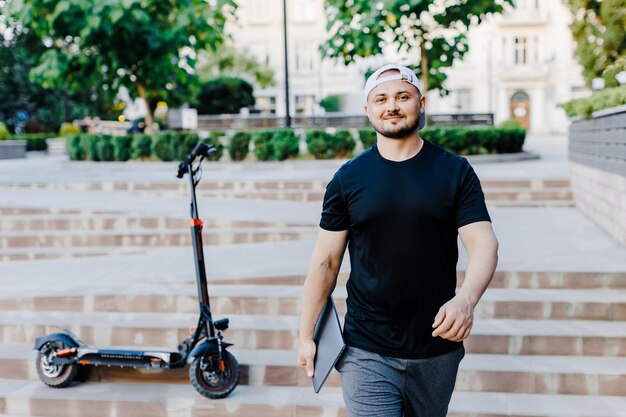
(494, 204)
(90, 222)
(501, 279)
(558, 304)
(494, 336)
(478, 372)
(28, 398)
(57, 239)
(316, 185)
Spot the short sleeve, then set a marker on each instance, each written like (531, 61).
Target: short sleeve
(470, 207)
(334, 209)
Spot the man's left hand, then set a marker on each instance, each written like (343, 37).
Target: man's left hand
(454, 319)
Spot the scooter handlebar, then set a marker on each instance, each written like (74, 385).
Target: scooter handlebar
(201, 149)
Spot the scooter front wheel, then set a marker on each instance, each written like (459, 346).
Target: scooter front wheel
(213, 379)
(54, 375)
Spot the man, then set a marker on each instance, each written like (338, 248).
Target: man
(399, 207)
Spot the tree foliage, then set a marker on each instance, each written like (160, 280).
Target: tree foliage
(599, 28)
(431, 32)
(230, 62)
(26, 105)
(148, 46)
(225, 95)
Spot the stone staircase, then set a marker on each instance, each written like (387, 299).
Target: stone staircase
(545, 344)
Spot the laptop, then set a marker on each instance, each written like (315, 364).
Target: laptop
(329, 341)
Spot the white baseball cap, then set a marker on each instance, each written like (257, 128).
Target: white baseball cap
(405, 75)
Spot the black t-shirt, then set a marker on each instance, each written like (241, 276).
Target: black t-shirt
(402, 219)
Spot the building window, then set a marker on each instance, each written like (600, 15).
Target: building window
(464, 99)
(266, 105)
(258, 11)
(303, 10)
(536, 49)
(520, 50)
(304, 103)
(305, 57)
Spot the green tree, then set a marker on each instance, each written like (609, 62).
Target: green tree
(149, 46)
(44, 108)
(230, 62)
(225, 95)
(432, 32)
(599, 28)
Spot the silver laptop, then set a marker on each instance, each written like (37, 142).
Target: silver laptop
(329, 341)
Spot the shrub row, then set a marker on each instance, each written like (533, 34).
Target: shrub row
(603, 99)
(276, 145)
(478, 140)
(466, 140)
(35, 141)
(281, 144)
(324, 145)
(165, 146)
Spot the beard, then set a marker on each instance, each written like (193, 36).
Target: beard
(396, 132)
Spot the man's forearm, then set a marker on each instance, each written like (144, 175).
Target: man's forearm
(319, 283)
(481, 265)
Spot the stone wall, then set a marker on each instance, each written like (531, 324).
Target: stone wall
(597, 153)
(11, 149)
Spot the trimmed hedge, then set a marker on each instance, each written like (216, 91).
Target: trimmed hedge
(275, 145)
(466, 140)
(600, 100)
(35, 141)
(263, 145)
(4, 132)
(281, 144)
(238, 146)
(476, 140)
(367, 137)
(324, 145)
(165, 146)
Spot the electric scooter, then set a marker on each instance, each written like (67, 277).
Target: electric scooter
(214, 372)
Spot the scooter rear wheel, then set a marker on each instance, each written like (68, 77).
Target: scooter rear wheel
(53, 375)
(210, 379)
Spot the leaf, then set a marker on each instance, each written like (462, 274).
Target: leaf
(115, 15)
(61, 8)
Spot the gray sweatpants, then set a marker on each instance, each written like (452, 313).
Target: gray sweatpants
(375, 385)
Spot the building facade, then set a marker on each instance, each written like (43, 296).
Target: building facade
(519, 65)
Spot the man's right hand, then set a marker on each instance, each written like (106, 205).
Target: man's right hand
(306, 354)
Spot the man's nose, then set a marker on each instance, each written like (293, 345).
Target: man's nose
(392, 105)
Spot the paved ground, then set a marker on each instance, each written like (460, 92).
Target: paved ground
(535, 239)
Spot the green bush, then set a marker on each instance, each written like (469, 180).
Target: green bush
(263, 145)
(318, 144)
(89, 145)
(342, 144)
(104, 148)
(476, 140)
(122, 147)
(183, 143)
(142, 146)
(74, 147)
(4, 132)
(367, 137)
(238, 146)
(331, 103)
(604, 99)
(217, 134)
(511, 123)
(35, 141)
(69, 129)
(285, 144)
(163, 147)
(220, 148)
